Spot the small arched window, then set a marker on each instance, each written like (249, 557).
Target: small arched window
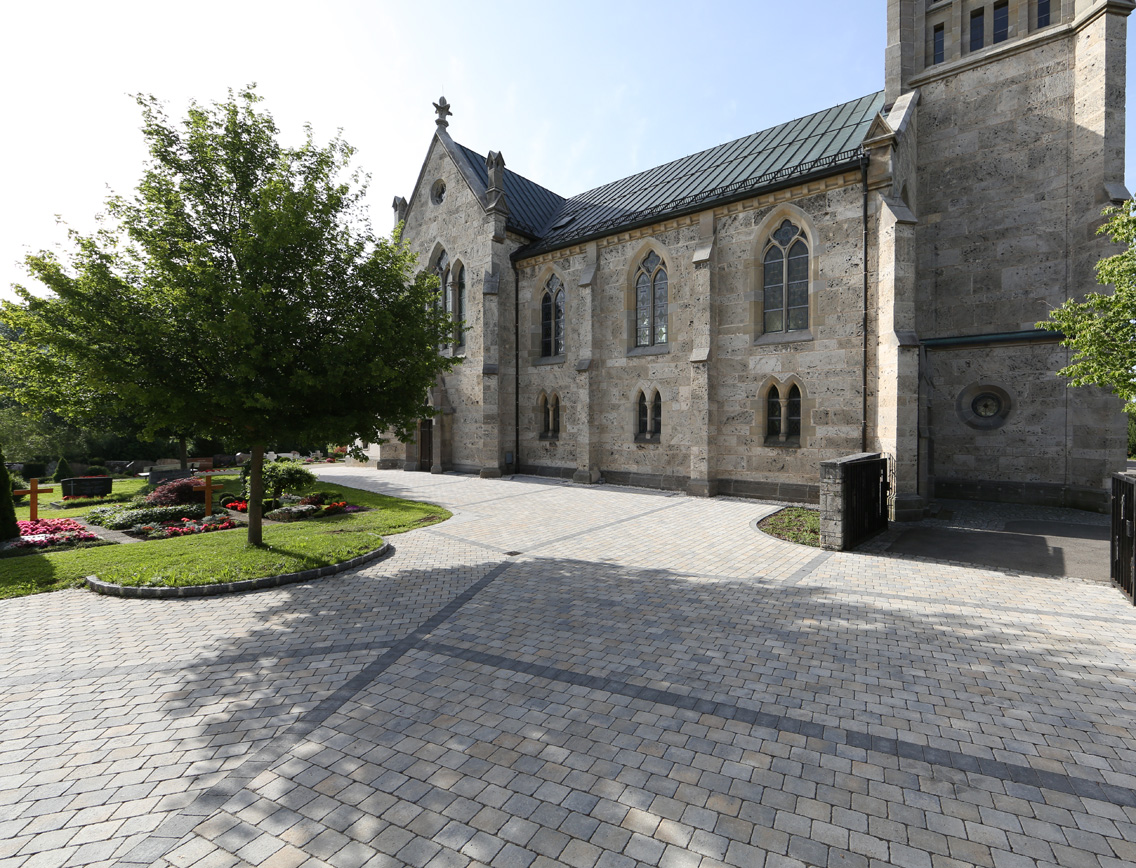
(648, 418)
(785, 273)
(793, 413)
(549, 417)
(651, 301)
(552, 318)
(459, 307)
(783, 416)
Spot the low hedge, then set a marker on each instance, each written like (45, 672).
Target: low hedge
(118, 518)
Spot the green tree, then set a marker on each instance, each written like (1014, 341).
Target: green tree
(8, 527)
(1101, 330)
(239, 294)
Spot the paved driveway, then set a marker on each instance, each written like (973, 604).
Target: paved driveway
(646, 680)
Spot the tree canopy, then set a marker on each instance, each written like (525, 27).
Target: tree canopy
(240, 293)
(1101, 330)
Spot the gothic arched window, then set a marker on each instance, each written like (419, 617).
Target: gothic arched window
(773, 413)
(785, 275)
(552, 318)
(549, 410)
(793, 413)
(648, 418)
(651, 301)
(442, 269)
(459, 307)
(783, 415)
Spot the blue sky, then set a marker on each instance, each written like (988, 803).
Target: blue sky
(573, 95)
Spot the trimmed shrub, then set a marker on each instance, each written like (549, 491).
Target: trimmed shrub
(176, 492)
(117, 518)
(62, 470)
(95, 462)
(34, 470)
(281, 476)
(17, 482)
(97, 470)
(9, 529)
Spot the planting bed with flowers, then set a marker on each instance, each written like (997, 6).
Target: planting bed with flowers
(49, 533)
(352, 522)
(184, 527)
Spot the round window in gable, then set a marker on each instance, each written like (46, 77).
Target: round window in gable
(438, 192)
(983, 406)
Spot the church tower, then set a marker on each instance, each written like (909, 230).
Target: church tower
(1013, 144)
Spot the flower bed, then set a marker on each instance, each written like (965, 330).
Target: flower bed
(46, 532)
(184, 527)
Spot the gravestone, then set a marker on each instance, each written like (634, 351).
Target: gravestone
(86, 486)
(159, 475)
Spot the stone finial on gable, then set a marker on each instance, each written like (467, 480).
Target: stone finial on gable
(399, 204)
(495, 195)
(443, 109)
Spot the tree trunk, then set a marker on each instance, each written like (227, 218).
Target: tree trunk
(183, 453)
(256, 495)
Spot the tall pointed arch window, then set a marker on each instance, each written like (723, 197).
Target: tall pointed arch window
(443, 299)
(785, 272)
(552, 318)
(651, 301)
(442, 269)
(459, 307)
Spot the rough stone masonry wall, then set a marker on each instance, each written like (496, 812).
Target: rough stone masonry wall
(1002, 238)
(457, 224)
(827, 365)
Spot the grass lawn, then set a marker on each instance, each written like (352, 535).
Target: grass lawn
(23, 508)
(795, 524)
(221, 556)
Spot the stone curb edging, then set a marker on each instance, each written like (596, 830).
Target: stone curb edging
(166, 593)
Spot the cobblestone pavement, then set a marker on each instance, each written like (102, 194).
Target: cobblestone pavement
(578, 676)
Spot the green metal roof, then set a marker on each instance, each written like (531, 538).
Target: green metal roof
(820, 143)
(530, 205)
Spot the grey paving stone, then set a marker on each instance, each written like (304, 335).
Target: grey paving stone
(619, 695)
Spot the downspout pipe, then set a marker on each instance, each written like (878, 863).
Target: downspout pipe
(516, 367)
(864, 320)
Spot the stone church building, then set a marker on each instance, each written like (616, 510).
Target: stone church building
(863, 279)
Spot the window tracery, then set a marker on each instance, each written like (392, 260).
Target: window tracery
(651, 297)
(785, 280)
(552, 318)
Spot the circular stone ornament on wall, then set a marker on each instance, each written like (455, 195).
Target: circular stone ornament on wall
(438, 192)
(983, 406)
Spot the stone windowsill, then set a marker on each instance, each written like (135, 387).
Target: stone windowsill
(542, 361)
(784, 337)
(656, 350)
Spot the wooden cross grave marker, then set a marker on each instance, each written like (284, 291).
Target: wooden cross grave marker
(35, 491)
(210, 487)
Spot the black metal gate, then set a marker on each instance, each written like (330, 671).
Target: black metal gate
(865, 499)
(1122, 548)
